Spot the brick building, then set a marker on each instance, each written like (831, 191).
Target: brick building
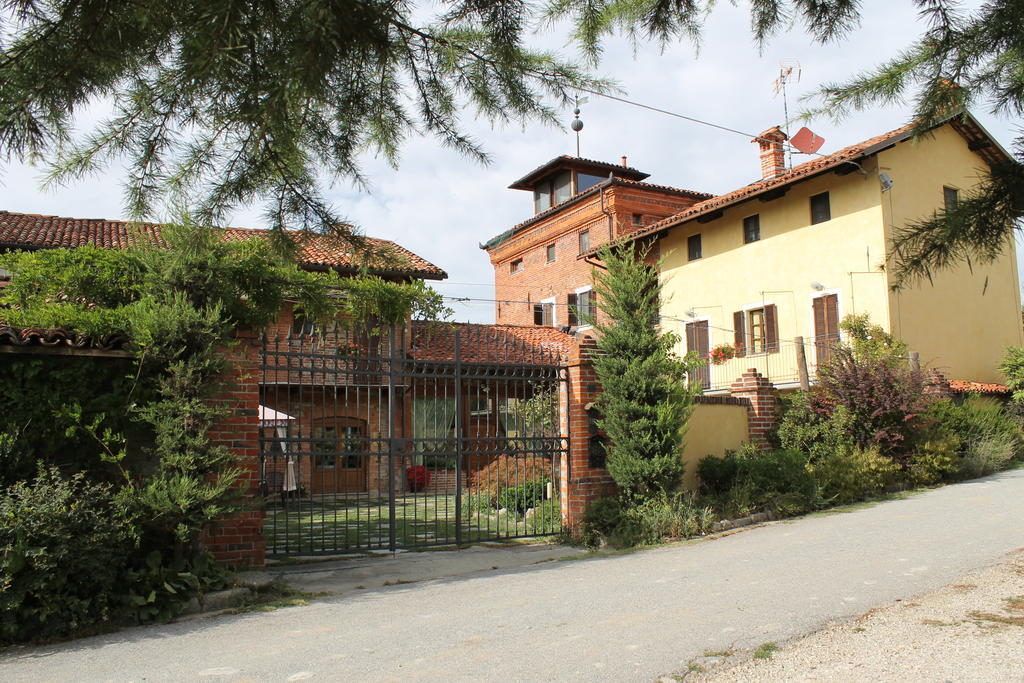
(578, 205)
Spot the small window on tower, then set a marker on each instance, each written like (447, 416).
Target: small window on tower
(638, 219)
(516, 266)
(584, 241)
(551, 253)
(693, 246)
(950, 198)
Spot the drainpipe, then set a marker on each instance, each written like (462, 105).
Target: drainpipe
(607, 213)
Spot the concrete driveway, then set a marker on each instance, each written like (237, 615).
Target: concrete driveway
(626, 617)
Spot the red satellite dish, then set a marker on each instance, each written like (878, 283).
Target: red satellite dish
(806, 141)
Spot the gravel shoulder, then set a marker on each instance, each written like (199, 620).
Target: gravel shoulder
(971, 630)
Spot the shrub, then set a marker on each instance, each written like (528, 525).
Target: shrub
(508, 470)
(934, 461)
(987, 455)
(974, 419)
(669, 517)
(813, 428)
(1013, 369)
(62, 551)
(776, 479)
(602, 517)
(547, 517)
(851, 474)
(519, 499)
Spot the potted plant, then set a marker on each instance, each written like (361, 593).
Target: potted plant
(418, 478)
(722, 353)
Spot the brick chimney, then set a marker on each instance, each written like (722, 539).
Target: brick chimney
(773, 156)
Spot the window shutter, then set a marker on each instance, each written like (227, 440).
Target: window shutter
(549, 314)
(832, 316)
(738, 325)
(771, 326)
(592, 304)
(571, 299)
(538, 314)
(691, 337)
(819, 318)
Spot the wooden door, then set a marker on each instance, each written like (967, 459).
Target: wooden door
(698, 339)
(339, 456)
(826, 326)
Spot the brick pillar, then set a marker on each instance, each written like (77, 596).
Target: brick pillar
(762, 404)
(581, 483)
(936, 385)
(238, 540)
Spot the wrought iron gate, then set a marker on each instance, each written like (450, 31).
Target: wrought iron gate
(435, 434)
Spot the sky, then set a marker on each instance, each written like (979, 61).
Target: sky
(442, 205)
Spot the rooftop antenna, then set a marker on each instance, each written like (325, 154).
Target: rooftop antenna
(788, 69)
(576, 124)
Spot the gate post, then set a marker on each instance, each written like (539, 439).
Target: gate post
(238, 540)
(393, 440)
(583, 479)
(459, 445)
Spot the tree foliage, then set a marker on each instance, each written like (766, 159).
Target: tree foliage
(645, 399)
(224, 102)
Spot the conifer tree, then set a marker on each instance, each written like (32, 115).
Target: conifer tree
(645, 398)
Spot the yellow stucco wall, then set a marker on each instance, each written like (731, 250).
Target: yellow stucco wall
(844, 255)
(962, 321)
(712, 430)
(961, 325)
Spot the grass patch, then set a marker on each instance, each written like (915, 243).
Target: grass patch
(765, 650)
(277, 596)
(718, 653)
(1003, 619)
(1015, 604)
(343, 523)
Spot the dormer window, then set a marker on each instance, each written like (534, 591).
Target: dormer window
(552, 191)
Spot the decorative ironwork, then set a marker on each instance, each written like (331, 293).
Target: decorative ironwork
(424, 436)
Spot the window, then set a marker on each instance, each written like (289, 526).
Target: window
(301, 325)
(551, 253)
(337, 446)
(638, 219)
(433, 430)
(516, 266)
(561, 187)
(950, 198)
(821, 211)
(480, 406)
(585, 181)
(756, 330)
(581, 305)
(544, 313)
(756, 337)
(693, 246)
(751, 229)
(542, 197)
(584, 241)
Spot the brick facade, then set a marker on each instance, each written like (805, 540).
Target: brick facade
(607, 214)
(581, 482)
(762, 404)
(238, 540)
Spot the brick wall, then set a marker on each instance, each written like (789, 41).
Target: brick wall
(581, 484)
(762, 404)
(238, 540)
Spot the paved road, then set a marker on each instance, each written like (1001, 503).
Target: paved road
(626, 617)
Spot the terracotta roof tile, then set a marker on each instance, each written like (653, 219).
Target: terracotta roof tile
(968, 387)
(491, 343)
(33, 231)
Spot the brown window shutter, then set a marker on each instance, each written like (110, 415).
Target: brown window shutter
(738, 325)
(771, 324)
(819, 317)
(691, 337)
(571, 300)
(832, 316)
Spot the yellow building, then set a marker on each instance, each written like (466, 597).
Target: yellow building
(789, 256)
